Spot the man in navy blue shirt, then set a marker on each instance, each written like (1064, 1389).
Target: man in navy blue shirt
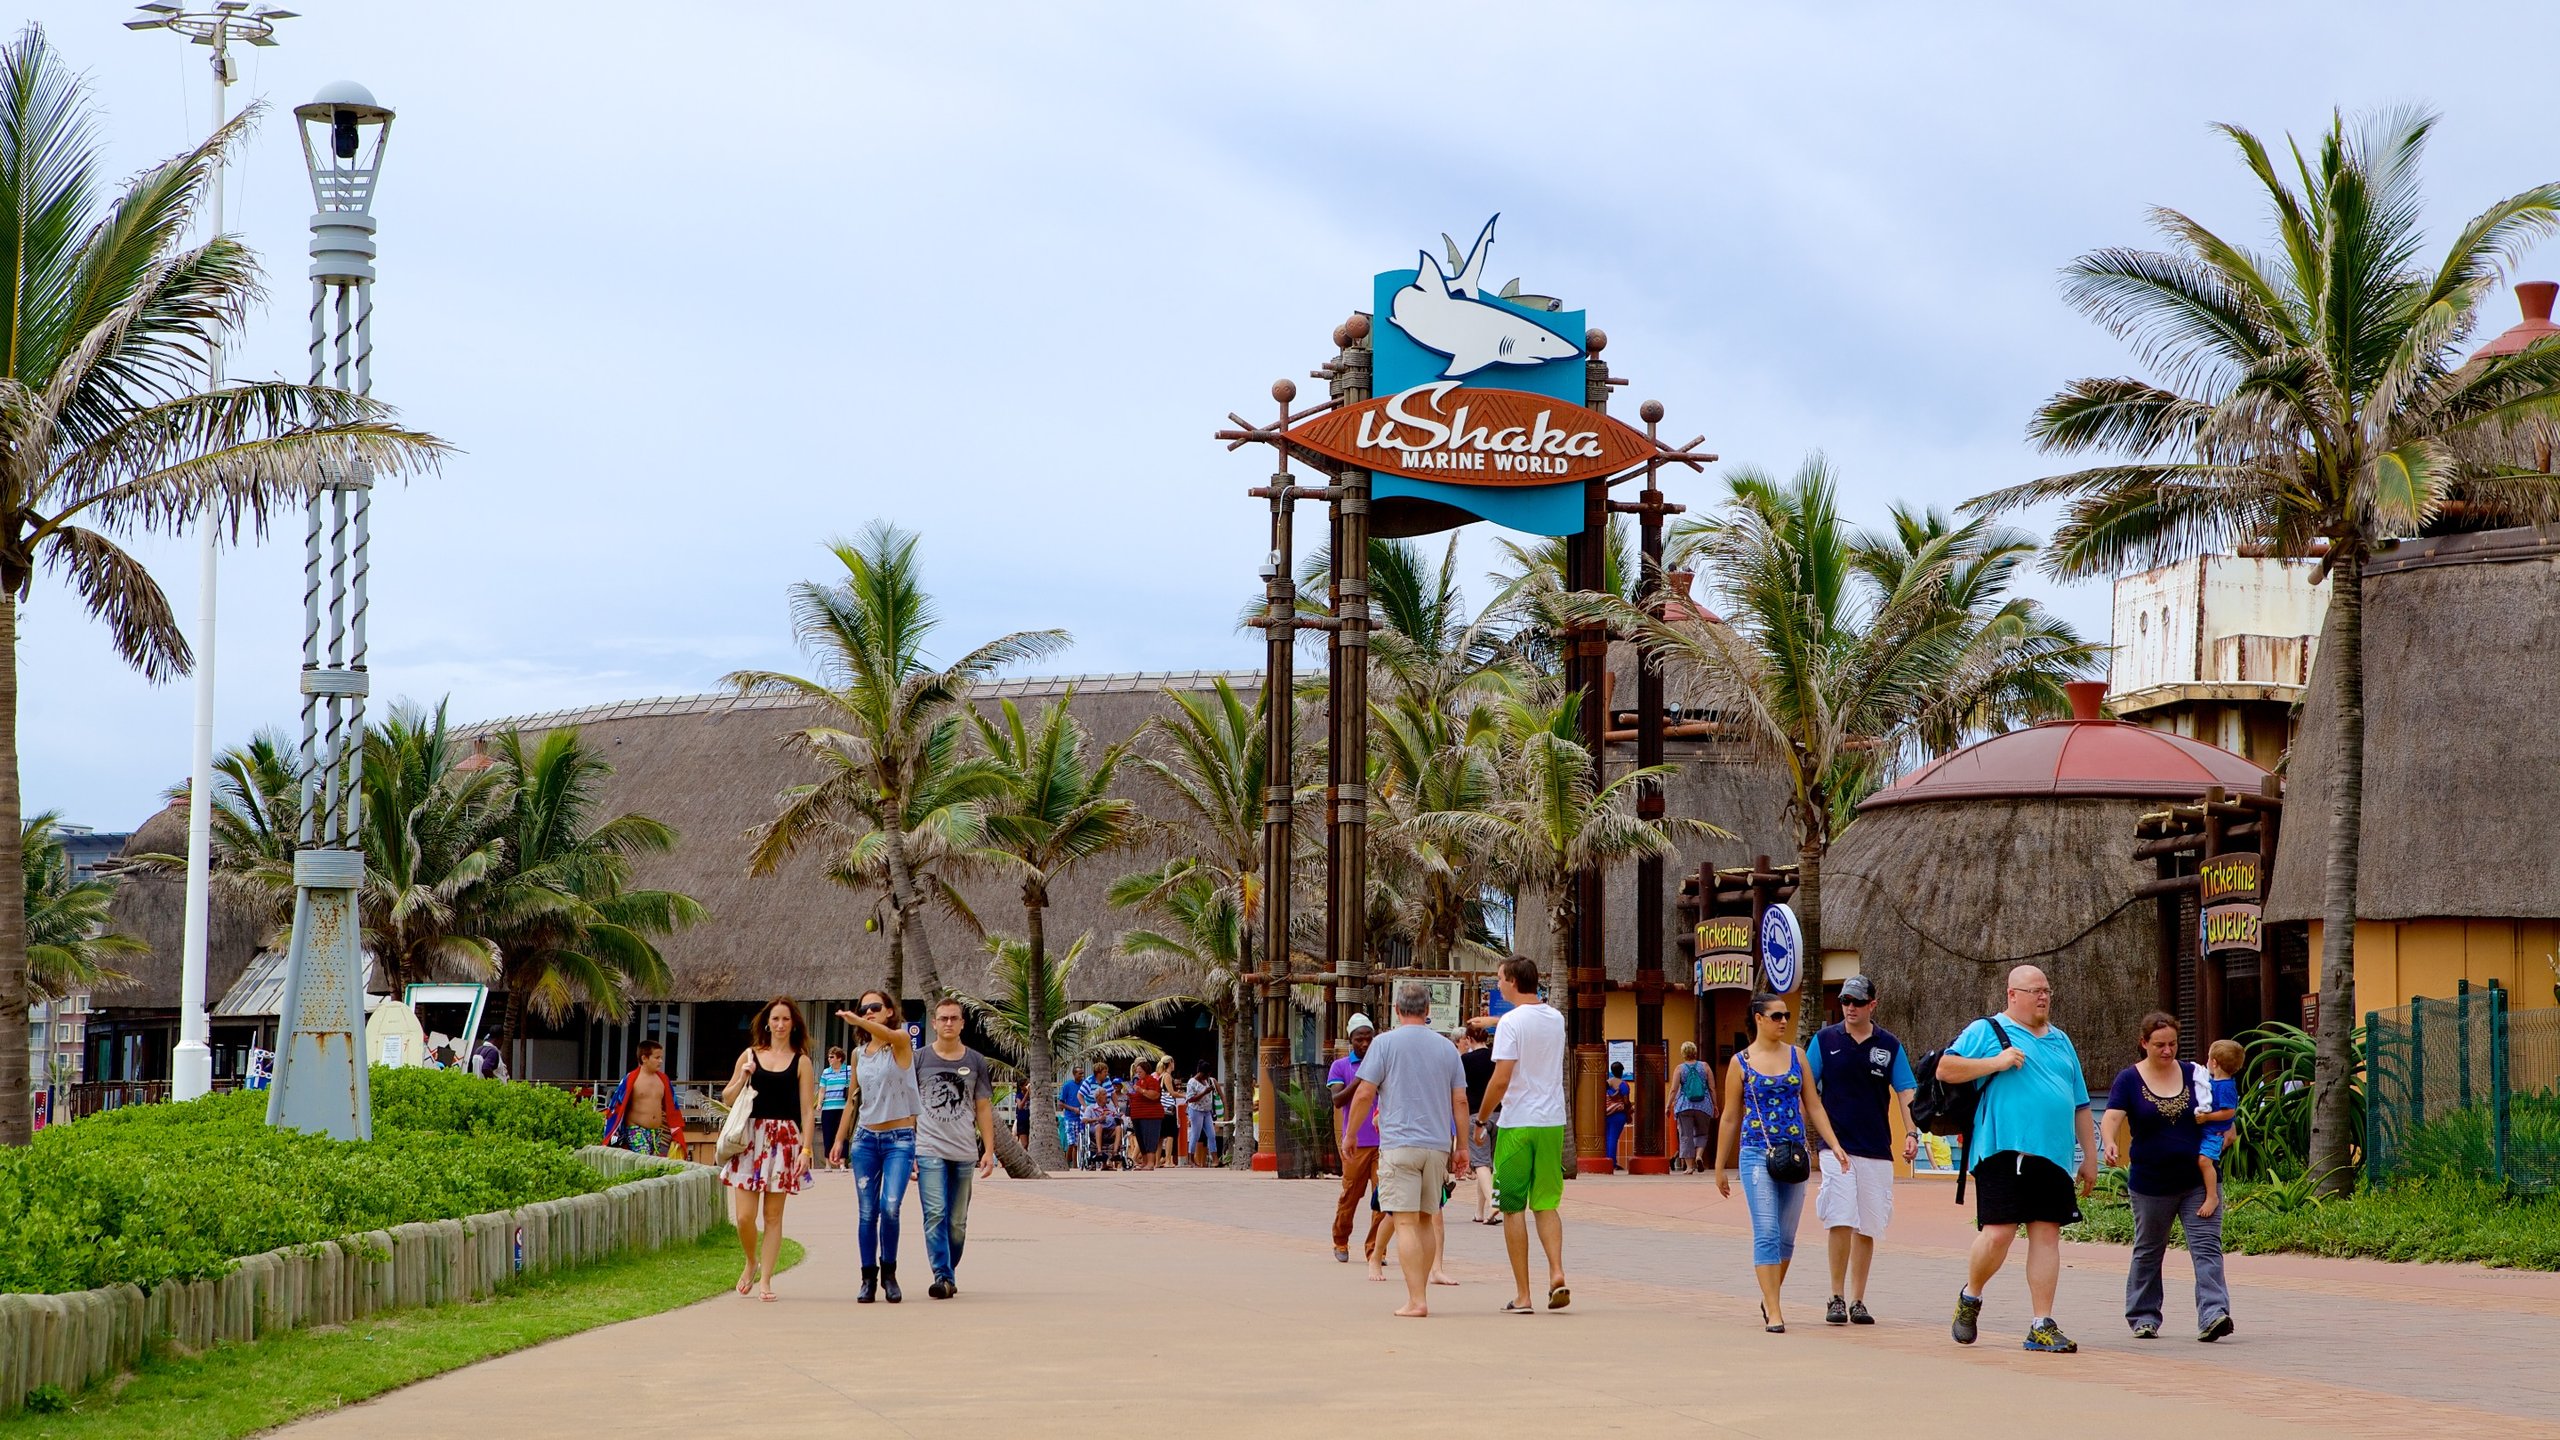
(1859, 1069)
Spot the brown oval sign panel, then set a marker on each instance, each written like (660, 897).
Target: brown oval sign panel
(1467, 436)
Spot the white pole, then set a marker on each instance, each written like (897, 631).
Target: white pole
(191, 1063)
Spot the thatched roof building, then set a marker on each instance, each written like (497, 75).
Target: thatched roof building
(2459, 877)
(2018, 850)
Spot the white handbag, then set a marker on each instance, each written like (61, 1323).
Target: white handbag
(738, 1129)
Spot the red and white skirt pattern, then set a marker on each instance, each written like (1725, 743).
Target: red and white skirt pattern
(770, 1165)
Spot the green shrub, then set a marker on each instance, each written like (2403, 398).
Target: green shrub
(2447, 1220)
(154, 1193)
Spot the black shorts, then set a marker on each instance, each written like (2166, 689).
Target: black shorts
(1150, 1133)
(2013, 1188)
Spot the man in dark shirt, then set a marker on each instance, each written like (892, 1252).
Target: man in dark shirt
(1860, 1069)
(1475, 1052)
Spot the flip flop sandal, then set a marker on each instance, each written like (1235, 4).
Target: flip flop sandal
(1514, 1307)
(1559, 1296)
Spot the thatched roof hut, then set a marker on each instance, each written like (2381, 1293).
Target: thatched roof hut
(152, 908)
(2018, 850)
(2460, 700)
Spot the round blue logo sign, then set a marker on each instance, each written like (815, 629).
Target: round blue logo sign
(1781, 948)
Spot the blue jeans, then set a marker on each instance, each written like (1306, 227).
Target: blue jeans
(1204, 1134)
(882, 1161)
(1775, 1209)
(945, 1187)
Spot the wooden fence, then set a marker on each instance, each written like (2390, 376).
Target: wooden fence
(73, 1341)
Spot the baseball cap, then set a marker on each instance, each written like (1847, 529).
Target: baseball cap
(1361, 1022)
(1858, 988)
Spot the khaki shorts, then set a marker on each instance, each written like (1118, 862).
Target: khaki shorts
(1409, 1179)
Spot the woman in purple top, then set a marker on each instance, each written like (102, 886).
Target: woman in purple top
(2151, 1123)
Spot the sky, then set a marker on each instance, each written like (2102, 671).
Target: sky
(693, 289)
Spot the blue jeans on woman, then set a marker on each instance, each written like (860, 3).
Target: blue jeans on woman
(882, 1161)
(945, 1185)
(1775, 1209)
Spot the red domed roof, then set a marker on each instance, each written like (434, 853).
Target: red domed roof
(2080, 757)
(2534, 298)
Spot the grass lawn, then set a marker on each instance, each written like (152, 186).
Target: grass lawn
(2435, 1219)
(242, 1389)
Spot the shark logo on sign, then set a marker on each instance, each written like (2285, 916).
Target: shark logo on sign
(1451, 317)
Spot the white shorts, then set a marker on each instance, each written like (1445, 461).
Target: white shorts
(1859, 1196)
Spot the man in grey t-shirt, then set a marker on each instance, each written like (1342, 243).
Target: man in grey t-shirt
(1413, 1076)
(955, 1141)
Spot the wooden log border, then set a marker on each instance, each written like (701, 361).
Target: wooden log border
(73, 1341)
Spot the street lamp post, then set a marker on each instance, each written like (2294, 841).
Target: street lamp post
(191, 1064)
(320, 1064)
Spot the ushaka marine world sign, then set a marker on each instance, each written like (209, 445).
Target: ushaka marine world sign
(1479, 399)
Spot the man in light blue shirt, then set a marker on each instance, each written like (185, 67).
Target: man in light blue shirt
(2031, 1133)
(1413, 1078)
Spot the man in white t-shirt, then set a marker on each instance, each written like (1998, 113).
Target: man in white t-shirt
(1528, 1149)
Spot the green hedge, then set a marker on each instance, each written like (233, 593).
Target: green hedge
(154, 1193)
(2436, 1219)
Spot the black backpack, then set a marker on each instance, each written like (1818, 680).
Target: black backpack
(1945, 1107)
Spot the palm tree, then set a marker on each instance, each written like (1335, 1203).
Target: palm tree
(69, 934)
(105, 429)
(1027, 1014)
(881, 701)
(1056, 811)
(1427, 762)
(1202, 953)
(257, 815)
(433, 842)
(1214, 763)
(1820, 661)
(2305, 398)
(943, 830)
(1982, 563)
(1554, 822)
(569, 927)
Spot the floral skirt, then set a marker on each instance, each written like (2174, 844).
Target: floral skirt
(770, 1165)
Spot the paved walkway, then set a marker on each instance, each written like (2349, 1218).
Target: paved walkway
(1191, 1300)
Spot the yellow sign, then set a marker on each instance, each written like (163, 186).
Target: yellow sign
(1724, 954)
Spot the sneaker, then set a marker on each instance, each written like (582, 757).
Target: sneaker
(2146, 1331)
(1968, 1317)
(1858, 1313)
(2048, 1337)
(2216, 1328)
(1835, 1313)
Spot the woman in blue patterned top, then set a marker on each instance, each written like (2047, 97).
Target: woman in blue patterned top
(1769, 1105)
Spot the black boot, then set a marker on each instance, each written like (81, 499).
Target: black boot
(871, 1286)
(889, 1284)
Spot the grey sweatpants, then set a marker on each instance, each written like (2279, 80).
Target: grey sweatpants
(2152, 1216)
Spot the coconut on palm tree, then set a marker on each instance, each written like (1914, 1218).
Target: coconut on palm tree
(71, 942)
(1055, 811)
(107, 319)
(2312, 399)
(881, 700)
(1835, 657)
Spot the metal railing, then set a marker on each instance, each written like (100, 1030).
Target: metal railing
(2465, 1087)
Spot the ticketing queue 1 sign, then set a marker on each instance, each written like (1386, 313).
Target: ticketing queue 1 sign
(2227, 889)
(1723, 948)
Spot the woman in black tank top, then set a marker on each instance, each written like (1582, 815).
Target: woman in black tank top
(775, 1080)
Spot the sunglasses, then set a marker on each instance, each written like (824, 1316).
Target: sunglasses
(1778, 1015)
(872, 1009)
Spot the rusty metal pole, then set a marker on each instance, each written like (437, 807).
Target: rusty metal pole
(1347, 718)
(1586, 664)
(1279, 817)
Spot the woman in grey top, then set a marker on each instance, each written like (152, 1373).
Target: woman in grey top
(884, 1137)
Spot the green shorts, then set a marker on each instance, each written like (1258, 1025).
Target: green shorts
(1528, 1167)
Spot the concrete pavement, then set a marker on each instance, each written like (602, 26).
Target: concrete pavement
(1106, 1304)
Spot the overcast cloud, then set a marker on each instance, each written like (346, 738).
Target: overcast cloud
(698, 289)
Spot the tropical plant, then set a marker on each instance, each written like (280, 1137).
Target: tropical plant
(2271, 1137)
(1211, 756)
(1201, 951)
(1821, 662)
(881, 704)
(1077, 1035)
(569, 926)
(106, 431)
(2312, 399)
(432, 844)
(70, 939)
(1054, 812)
(1554, 821)
(256, 825)
(1426, 761)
